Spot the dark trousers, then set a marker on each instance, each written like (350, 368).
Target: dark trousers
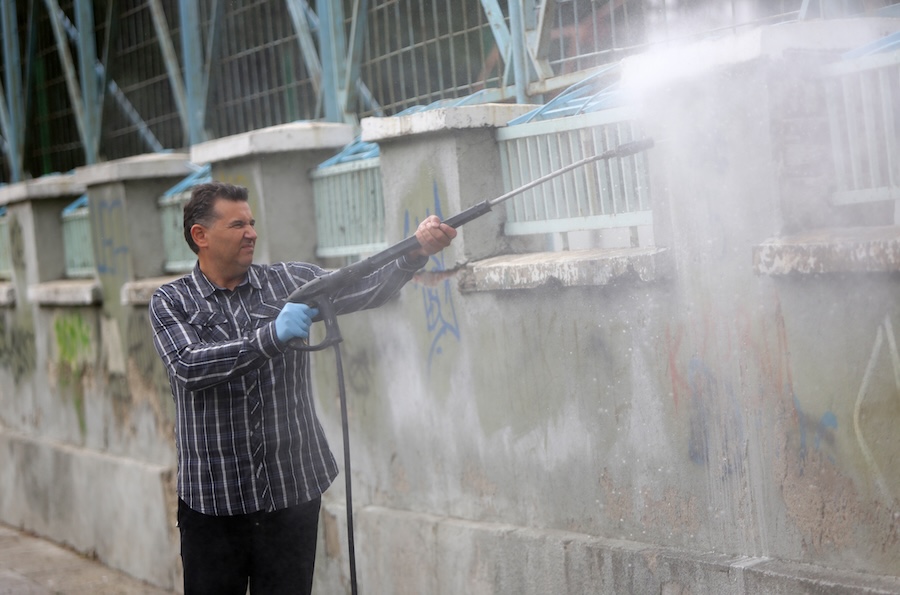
(274, 551)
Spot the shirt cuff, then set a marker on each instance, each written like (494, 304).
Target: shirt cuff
(268, 341)
(412, 264)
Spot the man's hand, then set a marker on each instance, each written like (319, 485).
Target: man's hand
(293, 321)
(433, 236)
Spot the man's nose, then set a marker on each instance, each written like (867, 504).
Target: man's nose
(250, 233)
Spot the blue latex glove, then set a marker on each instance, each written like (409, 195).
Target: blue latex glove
(293, 322)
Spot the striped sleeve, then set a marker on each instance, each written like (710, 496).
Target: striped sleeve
(196, 364)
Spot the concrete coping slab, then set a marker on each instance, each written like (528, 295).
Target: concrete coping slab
(7, 294)
(66, 292)
(574, 268)
(487, 115)
(139, 167)
(49, 186)
(837, 250)
(285, 138)
(138, 293)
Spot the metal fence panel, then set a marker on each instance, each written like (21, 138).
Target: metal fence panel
(863, 97)
(179, 256)
(349, 208)
(606, 194)
(77, 242)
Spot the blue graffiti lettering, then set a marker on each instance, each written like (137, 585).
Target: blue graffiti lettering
(824, 430)
(440, 312)
(112, 253)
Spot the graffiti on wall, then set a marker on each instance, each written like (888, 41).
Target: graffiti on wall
(16, 244)
(885, 333)
(109, 221)
(715, 407)
(440, 312)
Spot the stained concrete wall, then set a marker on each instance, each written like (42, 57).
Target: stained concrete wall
(669, 419)
(709, 414)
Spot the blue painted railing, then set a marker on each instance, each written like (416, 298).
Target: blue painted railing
(77, 244)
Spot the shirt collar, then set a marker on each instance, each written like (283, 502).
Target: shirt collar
(207, 287)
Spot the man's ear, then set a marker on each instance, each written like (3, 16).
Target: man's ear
(198, 233)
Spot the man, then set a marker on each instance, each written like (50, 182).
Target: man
(253, 460)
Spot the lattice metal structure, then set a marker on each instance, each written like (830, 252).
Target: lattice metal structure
(89, 80)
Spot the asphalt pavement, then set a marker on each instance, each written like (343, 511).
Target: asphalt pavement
(33, 566)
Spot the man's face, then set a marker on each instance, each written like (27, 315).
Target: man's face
(231, 238)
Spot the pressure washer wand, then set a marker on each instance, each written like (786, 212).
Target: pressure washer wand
(327, 285)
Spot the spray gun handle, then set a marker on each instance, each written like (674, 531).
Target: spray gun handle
(332, 331)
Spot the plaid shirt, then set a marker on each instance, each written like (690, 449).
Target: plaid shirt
(247, 434)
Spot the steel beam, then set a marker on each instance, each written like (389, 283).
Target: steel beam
(331, 52)
(65, 58)
(497, 22)
(12, 110)
(299, 10)
(539, 39)
(520, 68)
(115, 92)
(212, 49)
(189, 12)
(170, 58)
(90, 90)
(354, 53)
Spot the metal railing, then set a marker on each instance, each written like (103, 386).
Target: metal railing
(349, 203)
(5, 257)
(179, 256)
(587, 119)
(863, 94)
(77, 243)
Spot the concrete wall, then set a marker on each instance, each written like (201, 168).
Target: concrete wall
(669, 419)
(710, 414)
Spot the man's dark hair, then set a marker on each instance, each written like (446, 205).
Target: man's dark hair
(199, 209)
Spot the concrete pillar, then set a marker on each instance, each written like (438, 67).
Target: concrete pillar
(461, 168)
(273, 164)
(125, 220)
(34, 211)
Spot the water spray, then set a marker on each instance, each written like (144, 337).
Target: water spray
(320, 292)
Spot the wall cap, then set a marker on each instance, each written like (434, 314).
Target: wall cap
(837, 250)
(149, 165)
(66, 292)
(487, 115)
(575, 268)
(49, 186)
(138, 293)
(296, 136)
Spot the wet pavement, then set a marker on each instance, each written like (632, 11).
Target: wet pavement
(34, 566)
